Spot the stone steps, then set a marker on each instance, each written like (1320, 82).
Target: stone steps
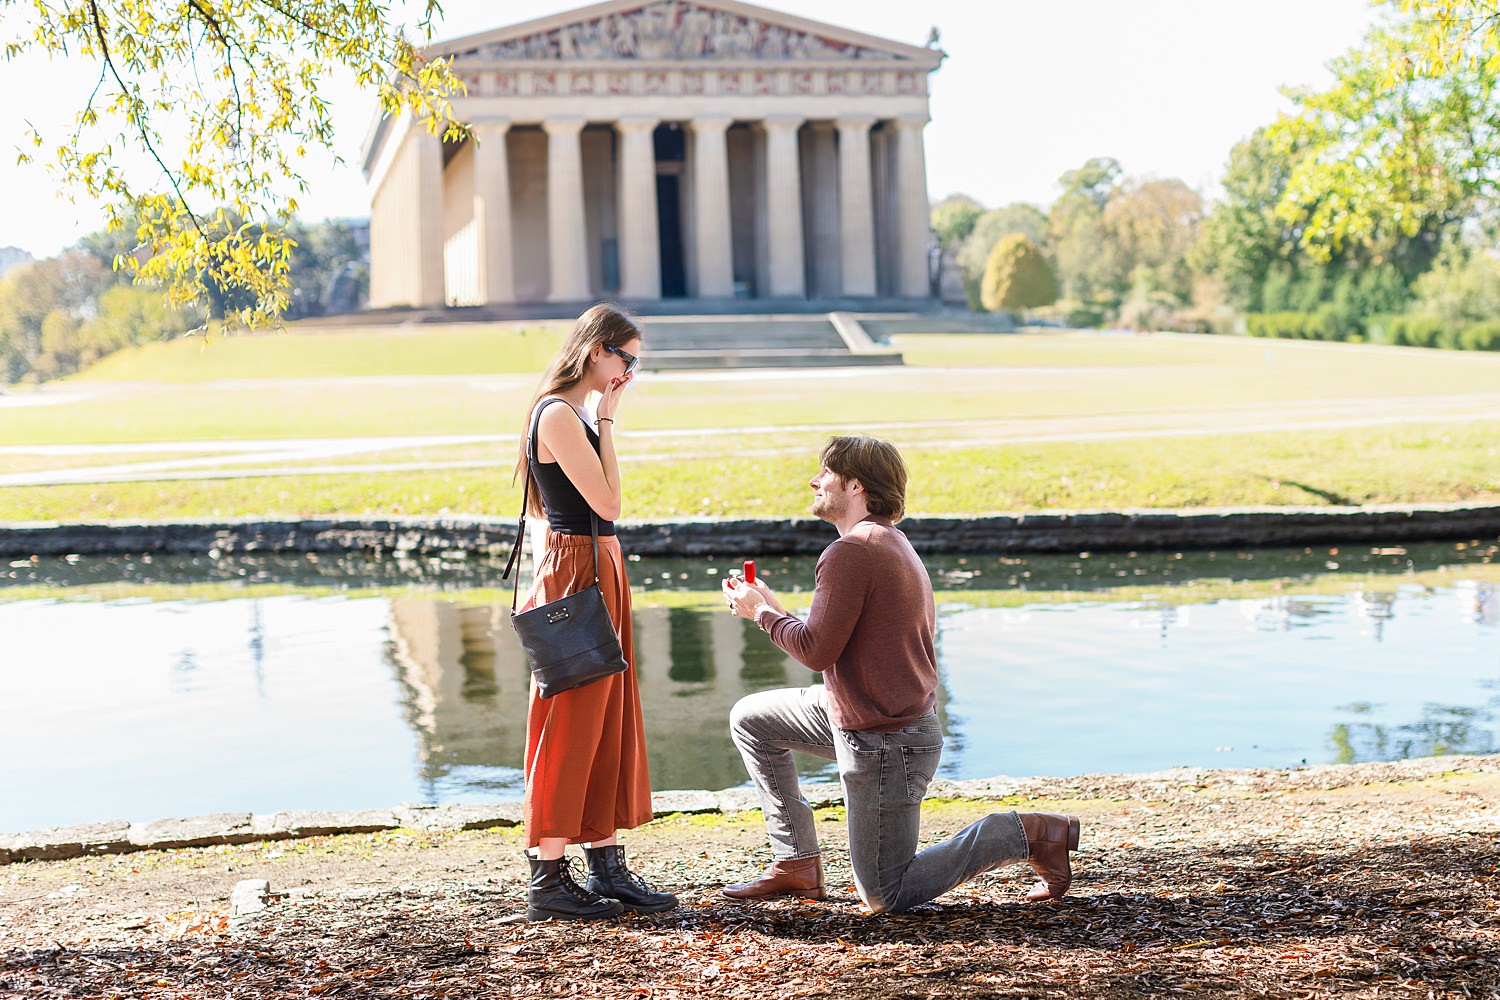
(704, 341)
(882, 326)
(707, 342)
(751, 332)
(697, 360)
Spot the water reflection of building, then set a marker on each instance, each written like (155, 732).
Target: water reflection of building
(1478, 601)
(464, 694)
(1376, 607)
(1163, 618)
(1279, 613)
(465, 680)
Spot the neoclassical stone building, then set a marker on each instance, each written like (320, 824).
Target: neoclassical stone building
(699, 149)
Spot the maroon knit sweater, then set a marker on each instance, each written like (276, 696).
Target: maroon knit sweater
(870, 630)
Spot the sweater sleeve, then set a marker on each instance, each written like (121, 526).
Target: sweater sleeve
(839, 591)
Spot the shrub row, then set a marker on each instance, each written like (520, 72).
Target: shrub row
(1403, 331)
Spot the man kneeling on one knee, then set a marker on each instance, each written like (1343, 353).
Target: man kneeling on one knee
(870, 632)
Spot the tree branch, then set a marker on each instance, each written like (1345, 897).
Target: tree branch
(98, 22)
(229, 46)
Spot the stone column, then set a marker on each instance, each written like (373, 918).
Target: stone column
(432, 289)
(713, 237)
(914, 215)
(640, 239)
(497, 279)
(784, 206)
(567, 238)
(856, 206)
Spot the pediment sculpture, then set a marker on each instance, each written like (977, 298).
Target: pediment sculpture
(667, 30)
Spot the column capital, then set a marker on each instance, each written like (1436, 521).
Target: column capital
(563, 126)
(637, 123)
(492, 126)
(914, 120)
(782, 121)
(854, 123)
(710, 123)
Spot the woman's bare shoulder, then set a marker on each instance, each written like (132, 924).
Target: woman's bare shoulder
(560, 418)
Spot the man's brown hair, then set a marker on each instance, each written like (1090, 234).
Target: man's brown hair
(878, 467)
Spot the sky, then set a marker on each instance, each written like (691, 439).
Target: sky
(1029, 90)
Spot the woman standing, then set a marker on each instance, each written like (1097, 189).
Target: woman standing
(586, 772)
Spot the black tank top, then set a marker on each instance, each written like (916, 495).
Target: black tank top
(567, 510)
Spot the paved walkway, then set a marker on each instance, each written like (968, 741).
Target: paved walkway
(198, 460)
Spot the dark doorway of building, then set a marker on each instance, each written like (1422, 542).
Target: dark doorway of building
(671, 151)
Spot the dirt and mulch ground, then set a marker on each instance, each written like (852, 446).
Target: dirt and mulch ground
(1369, 881)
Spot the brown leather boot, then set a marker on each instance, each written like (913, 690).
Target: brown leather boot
(1049, 838)
(798, 877)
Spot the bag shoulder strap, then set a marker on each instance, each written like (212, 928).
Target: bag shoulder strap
(515, 549)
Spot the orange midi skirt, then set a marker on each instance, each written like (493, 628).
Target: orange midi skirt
(586, 770)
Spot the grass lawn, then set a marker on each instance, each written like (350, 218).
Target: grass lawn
(987, 423)
(432, 349)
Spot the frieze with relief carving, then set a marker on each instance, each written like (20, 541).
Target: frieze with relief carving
(676, 30)
(673, 82)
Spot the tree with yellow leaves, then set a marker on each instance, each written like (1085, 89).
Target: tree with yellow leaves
(222, 98)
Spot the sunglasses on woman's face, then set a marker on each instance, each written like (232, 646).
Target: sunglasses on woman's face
(631, 361)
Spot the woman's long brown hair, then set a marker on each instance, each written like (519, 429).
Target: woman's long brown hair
(600, 324)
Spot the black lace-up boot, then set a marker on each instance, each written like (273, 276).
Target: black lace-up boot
(553, 894)
(608, 876)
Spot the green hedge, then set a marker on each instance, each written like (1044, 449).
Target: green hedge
(1481, 337)
(1325, 324)
(1407, 330)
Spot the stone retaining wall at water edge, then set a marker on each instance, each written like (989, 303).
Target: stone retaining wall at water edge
(240, 828)
(1053, 531)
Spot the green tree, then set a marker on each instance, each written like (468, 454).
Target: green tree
(1088, 267)
(1450, 34)
(1017, 277)
(223, 98)
(1243, 242)
(30, 293)
(1396, 154)
(1256, 249)
(61, 314)
(1153, 225)
(953, 219)
(61, 347)
(1463, 286)
(989, 229)
(323, 250)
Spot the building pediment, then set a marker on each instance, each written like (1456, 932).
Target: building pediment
(676, 32)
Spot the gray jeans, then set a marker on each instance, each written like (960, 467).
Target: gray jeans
(884, 776)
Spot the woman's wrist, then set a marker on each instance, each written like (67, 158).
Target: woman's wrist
(603, 420)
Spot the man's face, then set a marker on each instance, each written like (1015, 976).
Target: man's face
(830, 496)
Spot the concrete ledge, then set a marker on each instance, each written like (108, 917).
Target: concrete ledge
(460, 816)
(199, 831)
(60, 843)
(291, 825)
(1049, 531)
(666, 803)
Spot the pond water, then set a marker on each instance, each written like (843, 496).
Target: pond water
(142, 688)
